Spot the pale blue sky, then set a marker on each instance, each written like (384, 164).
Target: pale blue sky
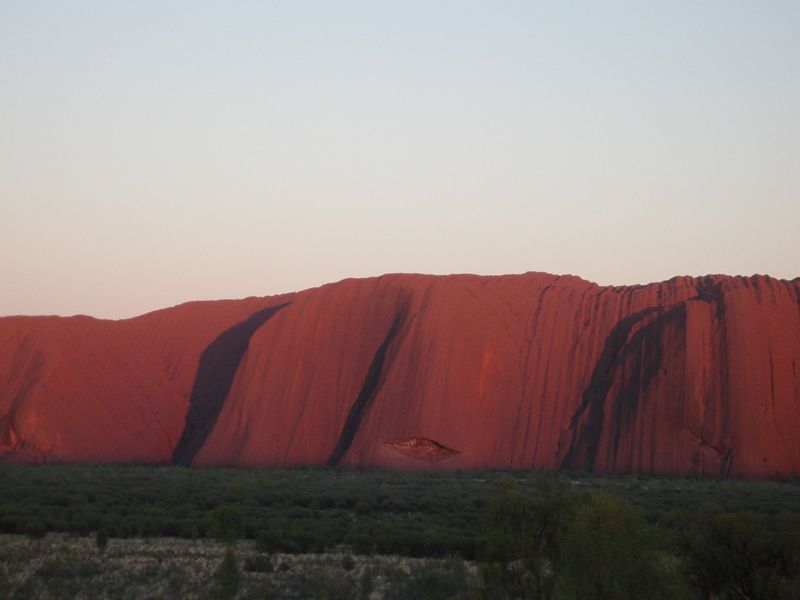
(158, 152)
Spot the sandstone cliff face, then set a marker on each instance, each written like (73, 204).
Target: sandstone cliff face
(688, 376)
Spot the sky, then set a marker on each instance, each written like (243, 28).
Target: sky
(156, 152)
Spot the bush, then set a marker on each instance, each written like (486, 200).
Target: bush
(361, 543)
(290, 547)
(362, 507)
(101, 539)
(36, 530)
(261, 563)
(522, 533)
(334, 588)
(269, 540)
(609, 551)
(190, 532)
(741, 554)
(348, 564)
(177, 583)
(432, 581)
(227, 523)
(228, 576)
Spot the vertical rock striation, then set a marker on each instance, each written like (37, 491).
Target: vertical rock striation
(693, 376)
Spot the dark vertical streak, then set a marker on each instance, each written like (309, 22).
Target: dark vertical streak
(711, 291)
(773, 408)
(525, 400)
(29, 363)
(218, 365)
(366, 394)
(646, 347)
(643, 354)
(583, 449)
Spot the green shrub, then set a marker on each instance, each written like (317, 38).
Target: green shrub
(101, 539)
(269, 540)
(228, 576)
(521, 535)
(348, 564)
(609, 551)
(334, 588)
(290, 547)
(446, 580)
(261, 563)
(732, 555)
(227, 523)
(177, 583)
(361, 543)
(36, 530)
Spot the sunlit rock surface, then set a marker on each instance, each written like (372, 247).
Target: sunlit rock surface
(689, 376)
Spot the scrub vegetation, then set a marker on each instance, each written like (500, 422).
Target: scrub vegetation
(144, 531)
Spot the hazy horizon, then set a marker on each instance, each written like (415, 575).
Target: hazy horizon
(155, 153)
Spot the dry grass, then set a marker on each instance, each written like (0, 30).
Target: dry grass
(62, 566)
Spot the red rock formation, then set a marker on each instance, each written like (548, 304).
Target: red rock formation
(79, 389)
(688, 376)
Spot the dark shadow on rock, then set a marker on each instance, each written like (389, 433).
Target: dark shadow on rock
(643, 352)
(218, 365)
(367, 393)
